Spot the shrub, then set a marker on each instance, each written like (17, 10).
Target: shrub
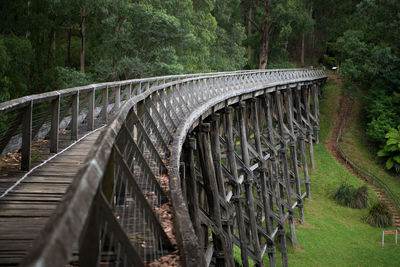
(348, 195)
(360, 198)
(379, 215)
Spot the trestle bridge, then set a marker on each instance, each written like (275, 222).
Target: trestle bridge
(211, 169)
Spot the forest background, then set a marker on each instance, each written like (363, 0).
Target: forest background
(53, 44)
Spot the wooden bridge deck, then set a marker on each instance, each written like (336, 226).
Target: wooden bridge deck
(25, 210)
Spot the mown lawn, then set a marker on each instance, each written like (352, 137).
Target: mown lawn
(334, 235)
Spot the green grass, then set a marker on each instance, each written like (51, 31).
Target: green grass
(355, 144)
(335, 235)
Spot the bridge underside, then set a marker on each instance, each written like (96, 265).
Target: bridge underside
(226, 155)
(244, 172)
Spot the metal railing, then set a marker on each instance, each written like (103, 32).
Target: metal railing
(365, 174)
(80, 109)
(111, 210)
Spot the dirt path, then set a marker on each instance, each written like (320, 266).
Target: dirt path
(340, 120)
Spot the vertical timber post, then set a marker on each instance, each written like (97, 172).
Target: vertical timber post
(279, 187)
(248, 182)
(26, 137)
(315, 103)
(75, 115)
(91, 107)
(216, 155)
(283, 151)
(293, 151)
(211, 189)
(104, 114)
(237, 198)
(55, 118)
(263, 176)
(306, 96)
(117, 98)
(192, 190)
(301, 137)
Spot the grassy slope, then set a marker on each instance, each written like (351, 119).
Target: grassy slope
(334, 235)
(355, 145)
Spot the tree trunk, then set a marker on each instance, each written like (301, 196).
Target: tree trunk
(69, 44)
(28, 32)
(302, 49)
(83, 35)
(54, 46)
(249, 34)
(264, 46)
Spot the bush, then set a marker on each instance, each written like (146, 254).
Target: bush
(360, 198)
(348, 195)
(379, 215)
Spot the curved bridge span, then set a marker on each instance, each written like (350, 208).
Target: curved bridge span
(219, 158)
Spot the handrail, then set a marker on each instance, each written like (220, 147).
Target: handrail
(46, 114)
(365, 174)
(66, 226)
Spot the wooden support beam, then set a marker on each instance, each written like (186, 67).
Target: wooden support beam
(55, 120)
(26, 137)
(104, 113)
(301, 139)
(263, 181)
(306, 97)
(211, 189)
(117, 98)
(249, 180)
(75, 116)
(237, 198)
(91, 107)
(293, 152)
(315, 104)
(192, 193)
(283, 152)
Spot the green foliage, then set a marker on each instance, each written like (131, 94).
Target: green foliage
(379, 215)
(67, 78)
(391, 150)
(16, 56)
(370, 58)
(348, 195)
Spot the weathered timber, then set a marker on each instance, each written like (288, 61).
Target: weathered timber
(235, 188)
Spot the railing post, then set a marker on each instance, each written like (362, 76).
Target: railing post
(55, 118)
(117, 98)
(75, 115)
(90, 117)
(26, 137)
(104, 114)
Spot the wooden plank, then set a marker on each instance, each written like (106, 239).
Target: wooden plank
(40, 188)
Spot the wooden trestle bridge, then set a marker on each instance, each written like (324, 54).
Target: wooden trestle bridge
(225, 153)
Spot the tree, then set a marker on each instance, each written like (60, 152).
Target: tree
(391, 150)
(276, 19)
